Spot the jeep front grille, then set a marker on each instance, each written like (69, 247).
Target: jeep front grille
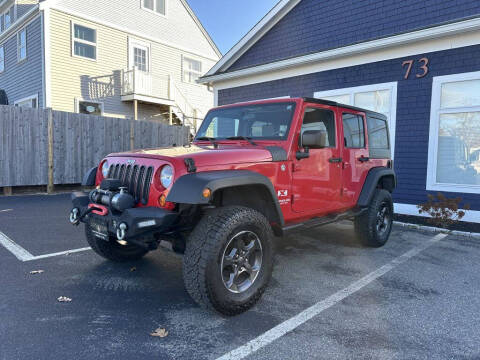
(137, 179)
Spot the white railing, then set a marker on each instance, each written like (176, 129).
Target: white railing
(137, 82)
(143, 83)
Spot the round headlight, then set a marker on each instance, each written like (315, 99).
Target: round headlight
(105, 168)
(166, 176)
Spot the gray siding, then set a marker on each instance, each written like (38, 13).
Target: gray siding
(24, 6)
(24, 79)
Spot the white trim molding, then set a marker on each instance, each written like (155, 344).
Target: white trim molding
(257, 32)
(83, 42)
(47, 69)
(28, 98)
(435, 112)
(409, 209)
(78, 100)
(443, 37)
(392, 87)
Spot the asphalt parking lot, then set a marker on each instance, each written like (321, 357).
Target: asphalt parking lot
(416, 298)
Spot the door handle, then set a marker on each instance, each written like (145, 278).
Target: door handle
(335, 160)
(363, 159)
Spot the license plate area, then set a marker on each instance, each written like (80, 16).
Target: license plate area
(99, 228)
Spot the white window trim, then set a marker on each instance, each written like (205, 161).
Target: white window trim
(392, 86)
(154, 8)
(192, 58)
(435, 112)
(12, 18)
(74, 39)
(131, 60)
(19, 60)
(79, 100)
(31, 97)
(2, 47)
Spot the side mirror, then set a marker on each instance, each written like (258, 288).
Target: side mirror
(314, 139)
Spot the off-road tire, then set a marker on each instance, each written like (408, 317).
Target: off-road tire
(112, 250)
(205, 249)
(366, 224)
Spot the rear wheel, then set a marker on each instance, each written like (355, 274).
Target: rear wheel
(374, 226)
(229, 259)
(112, 249)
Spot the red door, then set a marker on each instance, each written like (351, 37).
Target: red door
(355, 156)
(316, 182)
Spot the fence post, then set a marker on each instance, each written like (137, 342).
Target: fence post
(50, 184)
(132, 135)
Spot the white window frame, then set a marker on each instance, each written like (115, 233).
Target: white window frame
(351, 91)
(131, 54)
(200, 73)
(19, 59)
(74, 39)
(2, 61)
(79, 100)
(435, 113)
(12, 17)
(154, 11)
(28, 98)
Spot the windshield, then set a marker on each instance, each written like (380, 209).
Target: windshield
(262, 122)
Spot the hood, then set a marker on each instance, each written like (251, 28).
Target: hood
(206, 155)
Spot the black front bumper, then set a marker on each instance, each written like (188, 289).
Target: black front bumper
(141, 222)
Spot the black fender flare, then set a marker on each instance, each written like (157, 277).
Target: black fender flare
(90, 176)
(188, 189)
(371, 182)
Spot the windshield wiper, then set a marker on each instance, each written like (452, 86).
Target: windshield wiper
(249, 139)
(206, 138)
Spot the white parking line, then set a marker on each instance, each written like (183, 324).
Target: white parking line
(6, 210)
(23, 255)
(294, 322)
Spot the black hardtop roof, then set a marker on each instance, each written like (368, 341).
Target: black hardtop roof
(333, 103)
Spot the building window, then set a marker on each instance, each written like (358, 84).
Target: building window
(140, 58)
(28, 102)
(192, 70)
(89, 107)
(7, 18)
(156, 6)
(84, 42)
(22, 45)
(353, 131)
(2, 59)
(454, 143)
(381, 98)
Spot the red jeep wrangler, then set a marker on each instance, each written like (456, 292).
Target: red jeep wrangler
(254, 170)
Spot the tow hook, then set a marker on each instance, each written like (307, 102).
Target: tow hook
(75, 216)
(122, 231)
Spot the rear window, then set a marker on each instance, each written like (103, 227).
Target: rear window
(377, 133)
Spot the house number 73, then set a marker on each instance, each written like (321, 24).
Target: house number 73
(424, 67)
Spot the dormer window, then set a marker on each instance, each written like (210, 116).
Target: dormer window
(156, 6)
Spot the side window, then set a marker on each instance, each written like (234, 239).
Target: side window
(377, 133)
(320, 119)
(353, 131)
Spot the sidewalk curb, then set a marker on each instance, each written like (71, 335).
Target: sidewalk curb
(438, 230)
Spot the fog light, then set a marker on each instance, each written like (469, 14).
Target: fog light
(207, 193)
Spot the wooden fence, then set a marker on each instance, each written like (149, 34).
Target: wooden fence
(45, 147)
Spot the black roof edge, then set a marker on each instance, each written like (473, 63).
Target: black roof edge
(333, 103)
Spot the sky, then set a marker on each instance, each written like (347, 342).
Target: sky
(227, 21)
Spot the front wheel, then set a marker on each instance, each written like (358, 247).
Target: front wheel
(228, 260)
(373, 228)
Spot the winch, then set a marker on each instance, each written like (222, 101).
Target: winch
(112, 195)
